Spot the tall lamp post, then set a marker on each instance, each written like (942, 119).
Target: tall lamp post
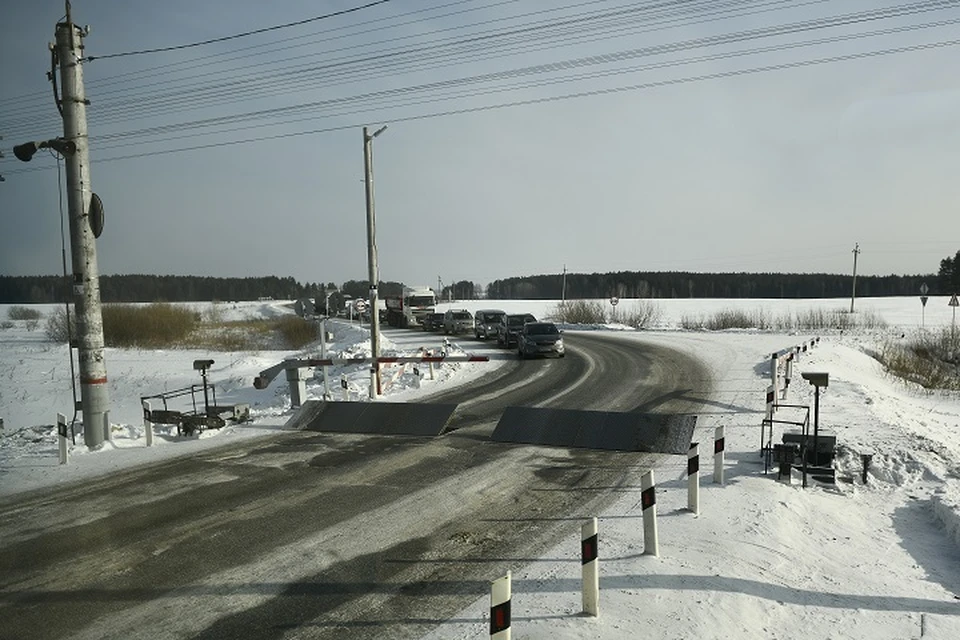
(372, 257)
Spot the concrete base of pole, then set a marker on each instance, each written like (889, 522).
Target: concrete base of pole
(297, 379)
(107, 431)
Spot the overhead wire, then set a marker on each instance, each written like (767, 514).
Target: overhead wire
(106, 117)
(230, 120)
(204, 61)
(602, 59)
(544, 100)
(99, 118)
(336, 68)
(236, 36)
(374, 101)
(141, 101)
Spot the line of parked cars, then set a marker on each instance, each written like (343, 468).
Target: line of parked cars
(522, 330)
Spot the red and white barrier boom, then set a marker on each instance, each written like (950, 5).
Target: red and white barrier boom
(266, 376)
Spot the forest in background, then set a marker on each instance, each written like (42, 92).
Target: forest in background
(626, 284)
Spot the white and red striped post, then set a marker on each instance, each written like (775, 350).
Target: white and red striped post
(500, 608)
(787, 374)
(62, 437)
(693, 477)
(323, 355)
(718, 455)
(768, 416)
(147, 425)
(775, 372)
(590, 562)
(648, 501)
(346, 391)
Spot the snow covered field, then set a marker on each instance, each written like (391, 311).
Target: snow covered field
(762, 559)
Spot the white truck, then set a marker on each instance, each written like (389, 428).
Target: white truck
(409, 309)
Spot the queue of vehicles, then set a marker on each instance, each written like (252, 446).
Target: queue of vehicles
(521, 331)
(416, 308)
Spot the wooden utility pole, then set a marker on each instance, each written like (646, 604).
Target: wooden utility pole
(853, 292)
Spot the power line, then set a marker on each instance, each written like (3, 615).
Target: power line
(297, 23)
(420, 57)
(543, 100)
(442, 42)
(204, 60)
(375, 100)
(379, 63)
(621, 56)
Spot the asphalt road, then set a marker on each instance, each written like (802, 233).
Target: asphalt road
(310, 535)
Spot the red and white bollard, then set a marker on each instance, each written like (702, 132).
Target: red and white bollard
(718, 455)
(500, 608)
(693, 477)
(648, 501)
(590, 562)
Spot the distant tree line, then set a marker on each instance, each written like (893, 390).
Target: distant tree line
(679, 284)
(624, 284)
(153, 288)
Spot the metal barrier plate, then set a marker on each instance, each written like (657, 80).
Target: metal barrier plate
(379, 418)
(654, 433)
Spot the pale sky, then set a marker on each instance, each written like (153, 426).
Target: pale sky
(777, 171)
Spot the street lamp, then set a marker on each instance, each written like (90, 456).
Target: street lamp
(372, 258)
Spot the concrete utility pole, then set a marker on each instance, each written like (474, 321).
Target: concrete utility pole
(372, 256)
(94, 395)
(853, 292)
(563, 295)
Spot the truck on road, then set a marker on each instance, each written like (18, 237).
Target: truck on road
(408, 309)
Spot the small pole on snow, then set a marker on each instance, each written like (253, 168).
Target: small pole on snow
(648, 501)
(693, 477)
(589, 559)
(718, 455)
(500, 608)
(62, 437)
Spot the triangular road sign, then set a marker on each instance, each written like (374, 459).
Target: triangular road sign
(953, 301)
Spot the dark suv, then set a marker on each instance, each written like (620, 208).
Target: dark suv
(540, 339)
(510, 325)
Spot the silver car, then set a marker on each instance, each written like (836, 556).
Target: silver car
(457, 321)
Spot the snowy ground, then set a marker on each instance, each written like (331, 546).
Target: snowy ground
(762, 559)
